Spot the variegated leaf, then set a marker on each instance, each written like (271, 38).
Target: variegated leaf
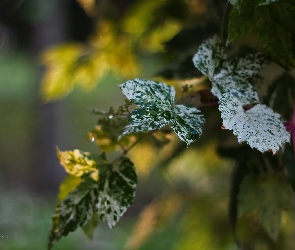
(236, 86)
(78, 163)
(259, 126)
(209, 56)
(228, 76)
(235, 3)
(157, 110)
(187, 123)
(143, 120)
(265, 2)
(116, 190)
(148, 94)
(74, 211)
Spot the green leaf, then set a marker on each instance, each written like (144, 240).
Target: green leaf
(78, 163)
(106, 133)
(74, 211)
(228, 76)
(157, 110)
(269, 195)
(69, 184)
(116, 190)
(277, 39)
(280, 95)
(259, 126)
(272, 20)
(90, 226)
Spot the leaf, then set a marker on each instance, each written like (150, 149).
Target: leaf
(269, 195)
(157, 110)
(235, 3)
(240, 22)
(143, 120)
(228, 76)
(280, 95)
(209, 56)
(259, 126)
(116, 190)
(106, 133)
(78, 163)
(265, 2)
(90, 226)
(277, 39)
(148, 94)
(74, 211)
(108, 198)
(187, 123)
(69, 184)
(272, 20)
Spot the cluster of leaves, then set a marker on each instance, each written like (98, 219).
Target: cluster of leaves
(95, 189)
(103, 190)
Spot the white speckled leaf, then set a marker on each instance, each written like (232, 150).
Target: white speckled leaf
(74, 211)
(78, 163)
(209, 56)
(148, 94)
(157, 110)
(187, 123)
(142, 120)
(228, 76)
(117, 184)
(260, 127)
(235, 3)
(236, 86)
(265, 2)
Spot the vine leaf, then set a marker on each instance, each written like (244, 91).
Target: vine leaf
(116, 190)
(228, 76)
(269, 195)
(259, 126)
(157, 109)
(78, 163)
(237, 3)
(273, 22)
(69, 184)
(74, 211)
(105, 199)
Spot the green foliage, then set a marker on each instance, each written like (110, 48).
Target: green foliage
(269, 195)
(271, 20)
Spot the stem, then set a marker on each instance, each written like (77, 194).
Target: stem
(126, 150)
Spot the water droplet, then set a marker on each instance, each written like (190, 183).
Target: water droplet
(92, 139)
(111, 116)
